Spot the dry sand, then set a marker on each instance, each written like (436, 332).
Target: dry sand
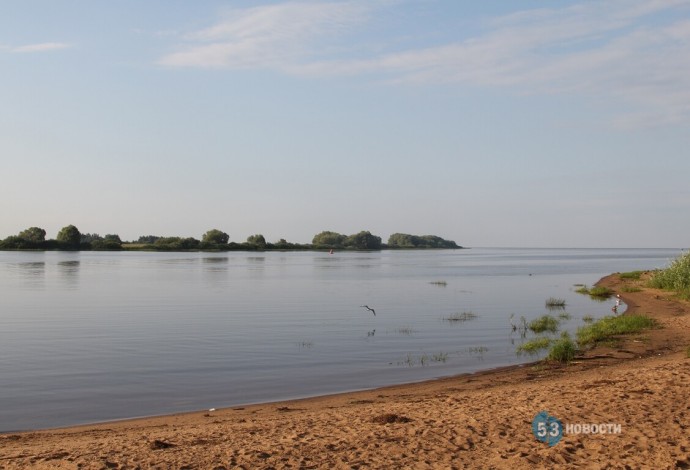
(470, 421)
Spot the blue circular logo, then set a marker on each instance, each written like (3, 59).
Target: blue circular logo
(547, 428)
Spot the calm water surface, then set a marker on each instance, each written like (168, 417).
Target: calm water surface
(99, 336)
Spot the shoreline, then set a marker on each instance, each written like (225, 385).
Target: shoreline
(481, 418)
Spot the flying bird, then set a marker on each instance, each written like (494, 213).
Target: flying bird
(369, 308)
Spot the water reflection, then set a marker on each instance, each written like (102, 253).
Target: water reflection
(215, 270)
(216, 264)
(256, 264)
(177, 260)
(32, 273)
(69, 273)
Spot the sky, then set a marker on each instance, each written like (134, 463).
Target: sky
(494, 123)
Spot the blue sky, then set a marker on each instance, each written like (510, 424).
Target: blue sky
(493, 123)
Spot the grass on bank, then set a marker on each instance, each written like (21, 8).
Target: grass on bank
(608, 328)
(563, 350)
(605, 329)
(631, 275)
(675, 277)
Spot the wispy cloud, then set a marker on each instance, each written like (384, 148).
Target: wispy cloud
(273, 36)
(40, 47)
(635, 51)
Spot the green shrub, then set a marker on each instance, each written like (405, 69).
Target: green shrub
(544, 323)
(608, 327)
(563, 350)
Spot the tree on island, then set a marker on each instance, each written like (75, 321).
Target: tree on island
(33, 238)
(148, 239)
(404, 240)
(328, 239)
(363, 240)
(176, 244)
(33, 234)
(113, 238)
(109, 242)
(257, 240)
(215, 237)
(69, 236)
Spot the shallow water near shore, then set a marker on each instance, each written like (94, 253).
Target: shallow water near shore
(90, 337)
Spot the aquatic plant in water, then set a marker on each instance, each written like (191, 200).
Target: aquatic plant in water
(553, 302)
(533, 346)
(460, 317)
(544, 323)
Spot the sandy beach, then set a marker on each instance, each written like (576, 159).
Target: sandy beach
(639, 390)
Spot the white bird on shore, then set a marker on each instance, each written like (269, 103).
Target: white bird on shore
(369, 308)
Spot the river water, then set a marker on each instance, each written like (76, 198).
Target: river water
(94, 336)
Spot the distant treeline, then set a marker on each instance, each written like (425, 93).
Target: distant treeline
(70, 238)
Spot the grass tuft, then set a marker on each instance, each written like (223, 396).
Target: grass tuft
(554, 302)
(598, 292)
(460, 317)
(533, 346)
(440, 357)
(477, 350)
(633, 275)
(544, 323)
(608, 327)
(563, 350)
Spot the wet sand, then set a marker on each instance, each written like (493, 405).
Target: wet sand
(640, 385)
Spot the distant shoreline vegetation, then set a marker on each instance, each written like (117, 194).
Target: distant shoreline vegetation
(70, 238)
